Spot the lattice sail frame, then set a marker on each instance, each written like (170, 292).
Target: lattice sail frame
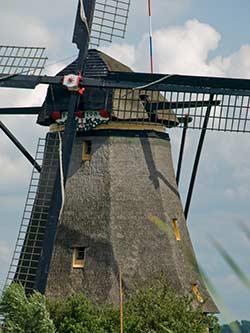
(229, 111)
(110, 20)
(22, 60)
(24, 264)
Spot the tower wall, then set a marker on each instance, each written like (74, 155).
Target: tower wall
(120, 206)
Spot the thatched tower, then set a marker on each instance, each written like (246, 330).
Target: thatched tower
(122, 207)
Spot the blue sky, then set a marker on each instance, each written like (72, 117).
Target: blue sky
(190, 36)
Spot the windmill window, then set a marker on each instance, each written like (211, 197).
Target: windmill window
(197, 293)
(86, 150)
(176, 229)
(79, 254)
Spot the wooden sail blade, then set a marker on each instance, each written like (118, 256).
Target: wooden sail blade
(20, 111)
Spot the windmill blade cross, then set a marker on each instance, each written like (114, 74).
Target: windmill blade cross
(81, 37)
(182, 94)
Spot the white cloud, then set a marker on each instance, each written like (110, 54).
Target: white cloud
(185, 49)
(182, 50)
(33, 30)
(236, 65)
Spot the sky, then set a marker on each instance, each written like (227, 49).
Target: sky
(190, 37)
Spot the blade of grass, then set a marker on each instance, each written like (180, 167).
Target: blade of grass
(218, 300)
(166, 329)
(232, 264)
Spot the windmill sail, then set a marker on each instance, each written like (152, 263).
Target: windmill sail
(229, 110)
(21, 60)
(110, 20)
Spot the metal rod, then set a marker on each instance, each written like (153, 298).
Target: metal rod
(150, 37)
(20, 146)
(177, 105)
(183, 140)
(197, 157)
(121, 301)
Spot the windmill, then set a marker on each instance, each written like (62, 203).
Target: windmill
(103, 196)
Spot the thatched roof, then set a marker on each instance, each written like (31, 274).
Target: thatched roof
(127, 104)
(112, 64)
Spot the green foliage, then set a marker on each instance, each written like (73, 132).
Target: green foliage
(155, 309)
(78, 315)
(159, 309)
(25, 314)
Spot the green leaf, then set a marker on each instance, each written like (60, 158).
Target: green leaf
(166, 329)
(25, 314)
